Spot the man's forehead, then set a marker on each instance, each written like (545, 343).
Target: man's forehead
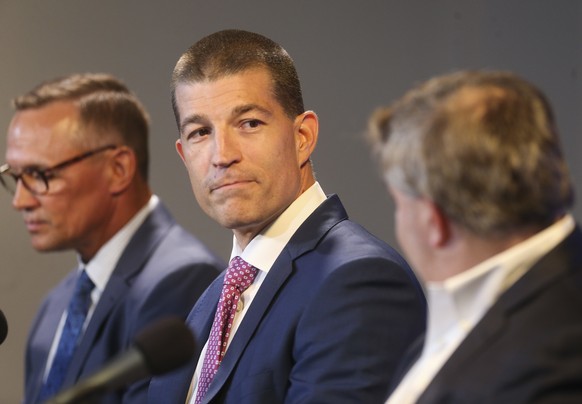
(234, 93)
(43, 128)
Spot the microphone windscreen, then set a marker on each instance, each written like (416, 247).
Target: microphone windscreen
(3, 327)
(165, 345)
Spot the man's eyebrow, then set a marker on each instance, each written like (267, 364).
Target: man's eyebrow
(27, 168)
(190, 119)
(250, 107)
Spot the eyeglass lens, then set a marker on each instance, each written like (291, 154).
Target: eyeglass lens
(32, 180)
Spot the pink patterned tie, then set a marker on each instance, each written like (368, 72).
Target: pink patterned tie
(238, 278)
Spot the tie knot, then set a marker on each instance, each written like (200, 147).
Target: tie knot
(240, 274)
(84, 284)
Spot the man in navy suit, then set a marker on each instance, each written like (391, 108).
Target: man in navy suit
(77, 163)
(332, 308)
(482, 195)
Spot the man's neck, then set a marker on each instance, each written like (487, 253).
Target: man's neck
(466, 250)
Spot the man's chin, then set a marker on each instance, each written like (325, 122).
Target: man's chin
(236, 223)
(46, 246)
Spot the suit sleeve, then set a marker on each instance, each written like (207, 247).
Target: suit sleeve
(354, 333)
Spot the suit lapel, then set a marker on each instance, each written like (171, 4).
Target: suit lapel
(203, 313)
(174, 387)
(131, 262)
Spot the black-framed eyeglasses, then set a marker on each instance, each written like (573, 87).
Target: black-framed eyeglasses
(35, 179)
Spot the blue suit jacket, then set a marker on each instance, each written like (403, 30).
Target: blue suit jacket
(528, 346)
(162, 271)
(328, 325)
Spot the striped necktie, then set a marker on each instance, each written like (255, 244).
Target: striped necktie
(70, 336)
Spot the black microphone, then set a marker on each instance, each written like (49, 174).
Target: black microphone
(159, 348)
(3, 327)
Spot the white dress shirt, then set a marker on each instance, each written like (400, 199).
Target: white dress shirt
(101, 266)
(261, 253)
(456, 305)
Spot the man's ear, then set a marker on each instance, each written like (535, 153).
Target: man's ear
(306, 131)
(180, 150)
(438, 225)
(123, 167)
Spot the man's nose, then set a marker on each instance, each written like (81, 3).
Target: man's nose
(23, 198)
(226, 148)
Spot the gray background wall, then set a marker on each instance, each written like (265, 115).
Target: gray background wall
(351, 55)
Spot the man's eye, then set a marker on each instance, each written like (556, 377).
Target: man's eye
(198, 133)
(251, 124)
(44, 175)
(32, 173)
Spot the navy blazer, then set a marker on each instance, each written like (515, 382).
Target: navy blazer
(328, 325)
(528, 346)
(162, 271)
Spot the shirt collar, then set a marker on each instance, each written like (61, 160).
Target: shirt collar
(264, 249)
(103, 263)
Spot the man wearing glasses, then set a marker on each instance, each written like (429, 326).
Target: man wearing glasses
(77, 165)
